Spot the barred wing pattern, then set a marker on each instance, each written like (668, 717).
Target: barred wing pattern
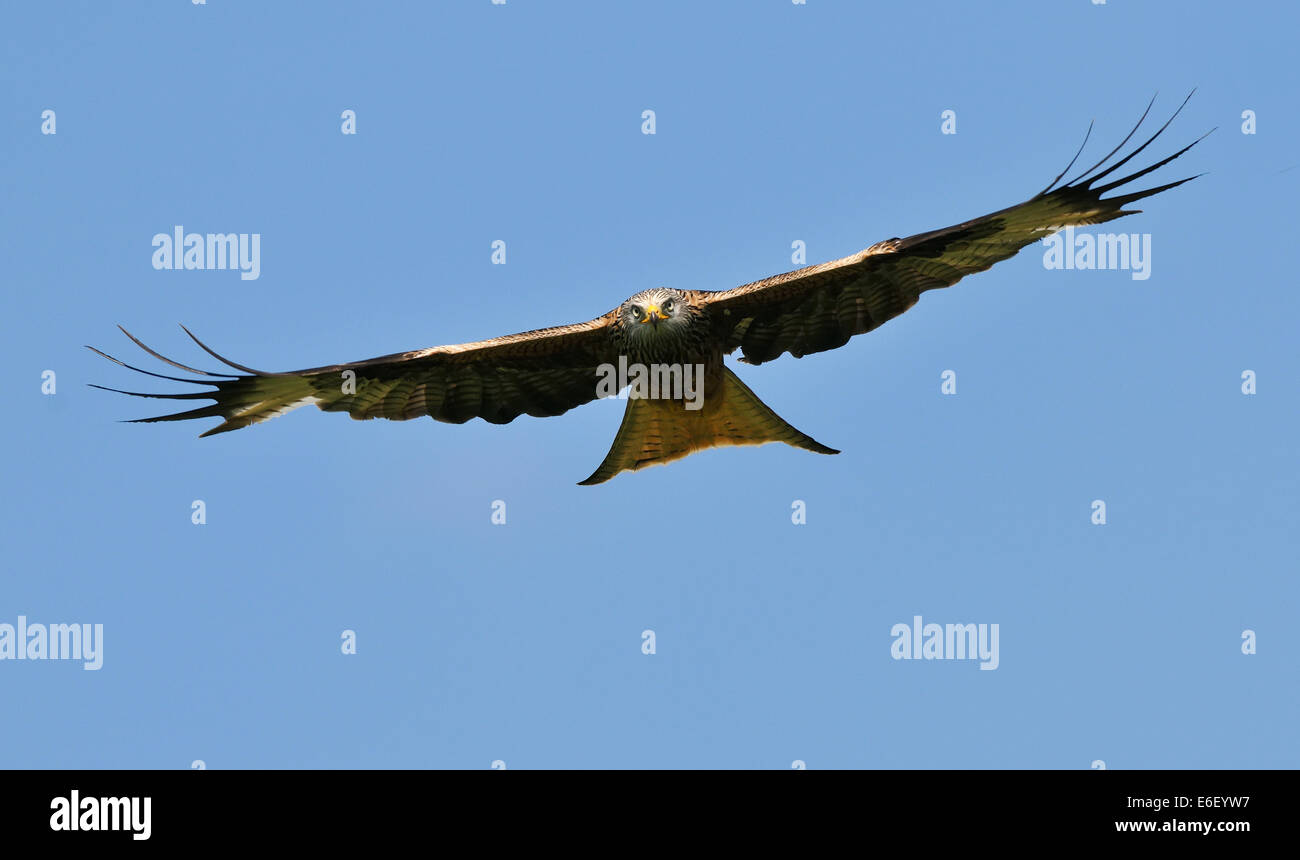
(543, 373)
(820, 307)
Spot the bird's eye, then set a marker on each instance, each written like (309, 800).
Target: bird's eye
(668, 306)
(636, 311)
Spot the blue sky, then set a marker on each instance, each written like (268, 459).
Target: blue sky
(522, 642)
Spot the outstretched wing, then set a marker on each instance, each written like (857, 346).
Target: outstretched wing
(821, 307)
(545, 372)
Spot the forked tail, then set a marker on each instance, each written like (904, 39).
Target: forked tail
(658, 431)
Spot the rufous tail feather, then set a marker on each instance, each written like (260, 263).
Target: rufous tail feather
(658, 431)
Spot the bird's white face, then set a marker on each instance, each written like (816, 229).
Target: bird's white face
(653, 312)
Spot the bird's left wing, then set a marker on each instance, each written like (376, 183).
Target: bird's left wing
(820, 307)
(544, 372)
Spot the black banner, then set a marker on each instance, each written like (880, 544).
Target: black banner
(331, 808)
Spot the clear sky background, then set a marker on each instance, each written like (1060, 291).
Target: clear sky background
(523, 642)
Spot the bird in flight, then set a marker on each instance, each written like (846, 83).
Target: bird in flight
(669, 332)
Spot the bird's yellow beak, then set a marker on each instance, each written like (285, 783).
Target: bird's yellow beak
(652, 315)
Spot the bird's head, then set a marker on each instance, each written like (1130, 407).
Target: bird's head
(654, 312)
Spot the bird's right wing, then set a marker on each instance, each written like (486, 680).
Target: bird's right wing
(544, 372)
